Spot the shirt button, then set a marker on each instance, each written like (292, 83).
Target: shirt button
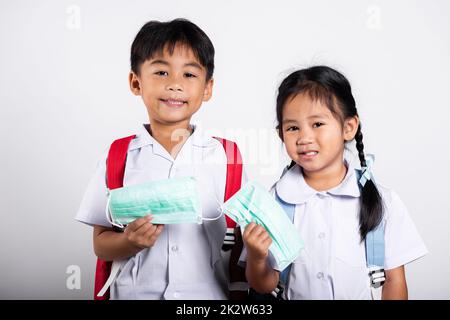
(176, 295)
(321, 235)
(319, 275)
(174, 248)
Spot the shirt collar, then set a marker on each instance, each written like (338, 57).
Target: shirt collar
(292, 187)
(144, 138)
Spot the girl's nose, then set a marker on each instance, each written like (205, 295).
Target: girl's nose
(304, 138)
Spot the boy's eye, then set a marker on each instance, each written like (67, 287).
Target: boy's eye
(161, 73)
(292, 128)
(189, 75)
(317, 124)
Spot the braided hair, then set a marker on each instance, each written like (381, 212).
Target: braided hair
(331, 87)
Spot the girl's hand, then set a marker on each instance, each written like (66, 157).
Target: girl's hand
(141, 233)
(257, 241)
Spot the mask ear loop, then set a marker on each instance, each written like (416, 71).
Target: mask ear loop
(108, 213)
(220, 208)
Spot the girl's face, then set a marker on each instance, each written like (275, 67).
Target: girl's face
(313, 136)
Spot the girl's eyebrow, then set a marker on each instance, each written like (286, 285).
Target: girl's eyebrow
(318, 116)
(289, 121)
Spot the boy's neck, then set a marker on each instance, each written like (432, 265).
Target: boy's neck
(171, 137)
(326, 179)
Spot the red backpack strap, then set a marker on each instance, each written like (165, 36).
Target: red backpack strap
(115, 164)
(115, 171)
(232, 185)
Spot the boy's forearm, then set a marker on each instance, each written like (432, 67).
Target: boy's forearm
(110, 246)
(261, 276)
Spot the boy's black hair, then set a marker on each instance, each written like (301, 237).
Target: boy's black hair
(155, 36)
(333, 89)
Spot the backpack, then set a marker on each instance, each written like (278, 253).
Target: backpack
(115, 170)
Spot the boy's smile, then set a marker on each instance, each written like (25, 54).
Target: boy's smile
(172, 86)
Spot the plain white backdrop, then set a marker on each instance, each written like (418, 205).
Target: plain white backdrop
(64, 97)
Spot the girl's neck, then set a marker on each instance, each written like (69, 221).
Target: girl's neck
(327, 178)
(171, 137)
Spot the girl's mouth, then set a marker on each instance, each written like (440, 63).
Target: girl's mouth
(308, 155)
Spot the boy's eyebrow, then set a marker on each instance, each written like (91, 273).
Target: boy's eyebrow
(159, 61)
(193, 64)
(189, 64)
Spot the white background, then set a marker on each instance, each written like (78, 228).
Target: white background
(64, 97)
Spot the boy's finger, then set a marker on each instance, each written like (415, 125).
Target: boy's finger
(145, 229)
(136, 224)
(152, 236)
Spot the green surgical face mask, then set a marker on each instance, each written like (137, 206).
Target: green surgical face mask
(254, 203)
(169, 201)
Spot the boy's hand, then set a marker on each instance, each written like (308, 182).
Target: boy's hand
(142, 233)
(257, 240)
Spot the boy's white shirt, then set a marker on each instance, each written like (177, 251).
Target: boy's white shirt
(183, 263)
(333, 263)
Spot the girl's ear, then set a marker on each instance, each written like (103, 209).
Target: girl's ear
(350, 128)
(135, 85)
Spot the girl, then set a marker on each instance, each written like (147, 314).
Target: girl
(336, 208)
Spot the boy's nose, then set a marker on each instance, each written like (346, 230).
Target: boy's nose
(174, 86)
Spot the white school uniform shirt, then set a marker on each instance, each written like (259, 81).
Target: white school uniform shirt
(183, 263)
(333, 263)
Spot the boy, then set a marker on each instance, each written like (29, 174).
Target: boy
(172, 64)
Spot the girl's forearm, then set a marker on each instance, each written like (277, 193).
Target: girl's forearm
(394, 291)
(261, 276)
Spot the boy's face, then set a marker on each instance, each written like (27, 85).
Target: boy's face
(172, 87)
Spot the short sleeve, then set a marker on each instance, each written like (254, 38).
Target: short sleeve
(92, 210)
(403, 243)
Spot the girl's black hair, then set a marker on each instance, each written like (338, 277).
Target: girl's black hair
(332, 89)
(155, 36)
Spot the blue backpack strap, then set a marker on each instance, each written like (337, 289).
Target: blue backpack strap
(375, 255)
(375, 251)
(289, 209)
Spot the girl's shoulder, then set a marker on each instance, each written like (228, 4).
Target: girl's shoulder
(392, 203)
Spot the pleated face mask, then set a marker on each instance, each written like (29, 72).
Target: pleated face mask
(254, 204)
(169, 201)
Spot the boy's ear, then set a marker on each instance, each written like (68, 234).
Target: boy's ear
(350, 127)
(207, 93)
(135, 85)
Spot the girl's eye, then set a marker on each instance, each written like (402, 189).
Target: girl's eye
(161, 73)
(318, 124)
(292, 128)
(189, 75)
